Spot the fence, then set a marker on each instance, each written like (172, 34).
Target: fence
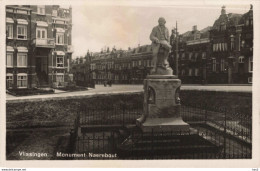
(110, 115)
(203, 144)
(228, 133)
(231, 122)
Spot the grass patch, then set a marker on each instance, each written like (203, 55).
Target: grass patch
(29, 91)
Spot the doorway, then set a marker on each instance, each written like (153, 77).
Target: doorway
(42, 69)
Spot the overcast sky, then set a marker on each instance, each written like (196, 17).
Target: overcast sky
(95, 27)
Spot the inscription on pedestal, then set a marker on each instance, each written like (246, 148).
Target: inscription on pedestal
(163, 94)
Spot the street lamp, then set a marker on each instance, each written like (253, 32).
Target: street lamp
(175, 32)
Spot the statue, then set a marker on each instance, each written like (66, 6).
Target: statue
(161, 49)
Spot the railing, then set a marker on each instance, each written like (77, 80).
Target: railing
(113, 115)
(204, 144)
(48, 43)
(231, 122)
(216, 133)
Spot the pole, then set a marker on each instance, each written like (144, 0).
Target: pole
(176, 59)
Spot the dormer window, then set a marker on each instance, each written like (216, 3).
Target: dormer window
(222, 26)
(41, 9)
(197, 36)
(54, 13)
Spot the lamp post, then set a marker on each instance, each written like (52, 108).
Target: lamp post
(174, 41)
(177, 50)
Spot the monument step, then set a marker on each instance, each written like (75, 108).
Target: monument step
(142, 145)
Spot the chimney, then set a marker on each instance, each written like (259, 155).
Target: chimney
(223, 11)
(194, 28)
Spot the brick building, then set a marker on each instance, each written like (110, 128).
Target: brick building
(121, 66)
(193, 52)
(231, 48)
(38, 46)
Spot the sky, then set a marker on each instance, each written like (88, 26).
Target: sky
(97, 27)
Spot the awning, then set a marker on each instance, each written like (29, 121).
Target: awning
(42, 23)
(60, 30)
(22, 49)
(60, 53)
(22, 21)
(9, 20)
(9, 49)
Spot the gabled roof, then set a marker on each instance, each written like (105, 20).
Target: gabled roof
(230, 19)
(245, 16)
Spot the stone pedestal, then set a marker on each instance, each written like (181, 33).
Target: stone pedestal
(162, 105)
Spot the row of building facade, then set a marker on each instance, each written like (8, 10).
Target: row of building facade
(218, 54)
(38, 46)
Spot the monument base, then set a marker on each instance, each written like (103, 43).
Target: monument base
(163, 125)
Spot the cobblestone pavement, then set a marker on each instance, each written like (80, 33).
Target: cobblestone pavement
(100, 89)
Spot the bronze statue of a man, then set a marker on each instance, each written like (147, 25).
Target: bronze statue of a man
(160, 39)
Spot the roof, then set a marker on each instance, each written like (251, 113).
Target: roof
(230, 19)
(190, 35)
(245, 16)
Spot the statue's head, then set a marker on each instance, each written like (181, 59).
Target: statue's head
(161, 21)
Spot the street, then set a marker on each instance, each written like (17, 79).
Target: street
(100, 89)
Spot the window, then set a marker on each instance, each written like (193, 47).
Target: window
(214, 65)
(214, 47)
(198, 36)
(54, 13)
(243, 43)
(190, 72)
(22, 80)
(41, 33)
(145, 63)
(183, 72)
(232, 39)
(196, 56)
(9, 80)
(60, 61)
(220, 47)
(41, 9)
(9, 59)
(21, 32)
(9, 31)
(190, 56)
(222, 27)
(22, 60)
(60, 77)
(250, 80)
(247, 22)
(196, 71)
(251, 22)
(222, 65)
(239, 42)
(140, 62)
(203, 55)
(183, 55)
(241, 59)
(60, 38)
(250, 68)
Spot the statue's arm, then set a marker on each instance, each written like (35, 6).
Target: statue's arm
(153, 37)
